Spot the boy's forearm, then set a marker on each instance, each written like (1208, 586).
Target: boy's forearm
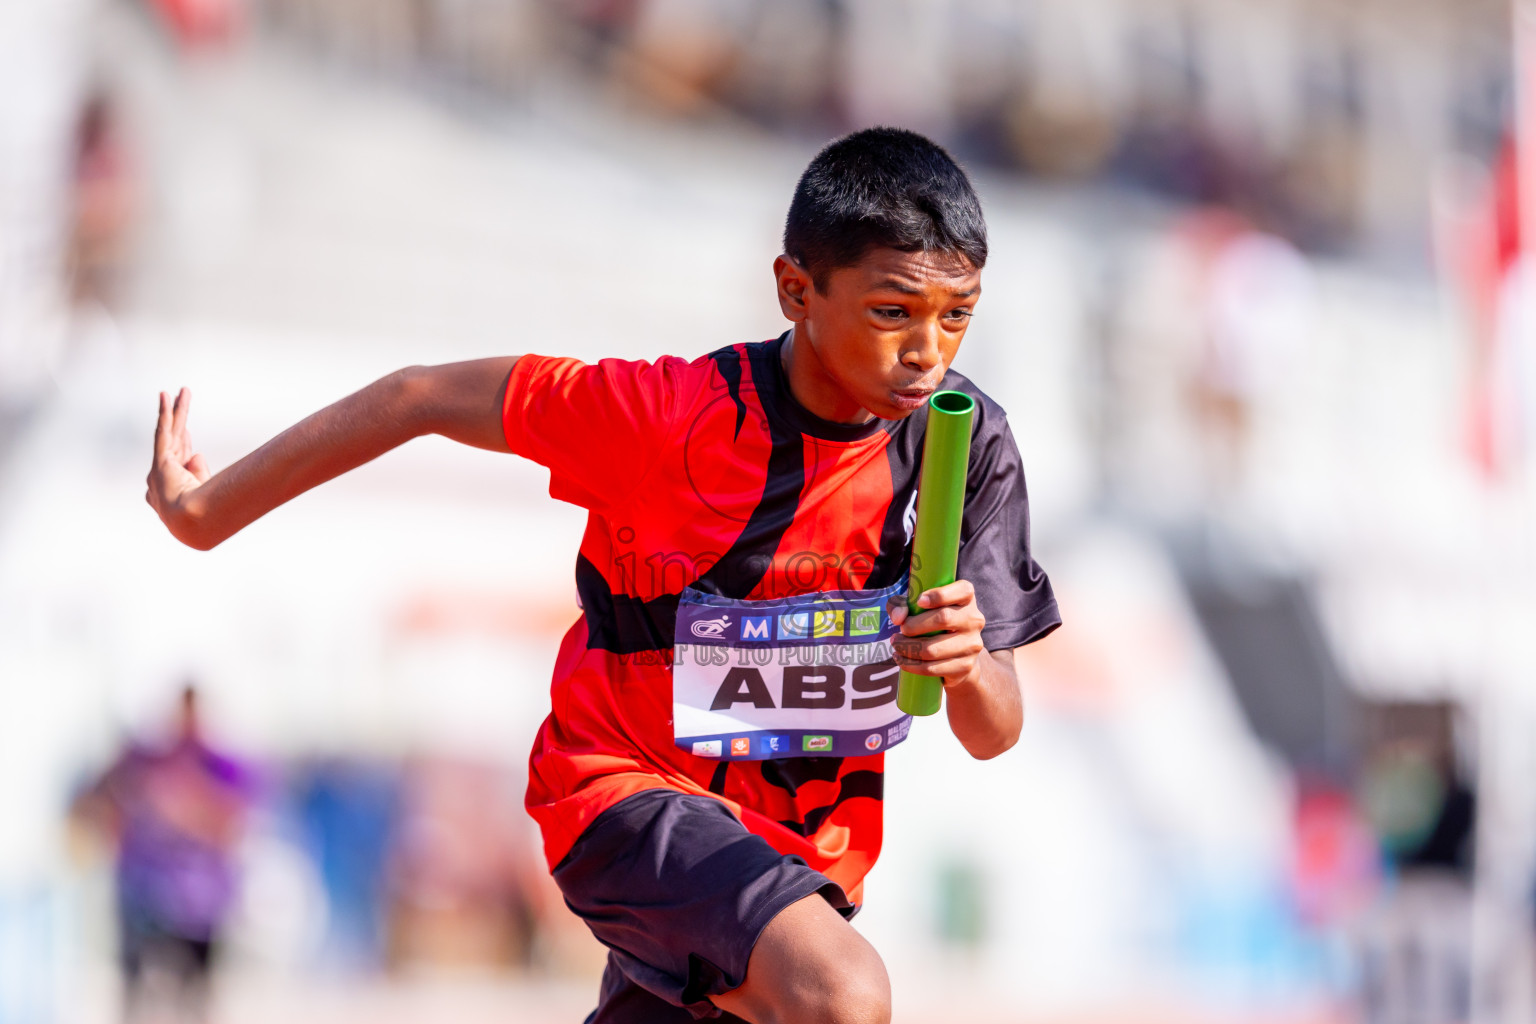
(987, 714)
(461, 401)
(340, 437)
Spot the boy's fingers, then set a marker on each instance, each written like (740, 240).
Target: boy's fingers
(957, 592)
(952, 670)
(179, 413)
(948, 667)
(951, 618)
(945, 647)
(162, 426)
(929, 621)
(198, 467)
(953, 648)
(946, 670)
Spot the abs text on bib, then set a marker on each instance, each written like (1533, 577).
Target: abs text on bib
(795, 677)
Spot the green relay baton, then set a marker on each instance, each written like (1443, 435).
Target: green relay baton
(936, 540)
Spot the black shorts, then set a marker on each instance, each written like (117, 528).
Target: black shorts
(679, 891)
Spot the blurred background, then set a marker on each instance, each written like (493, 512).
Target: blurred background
(1255, 310)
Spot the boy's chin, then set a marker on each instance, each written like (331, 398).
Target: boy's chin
(887, 411)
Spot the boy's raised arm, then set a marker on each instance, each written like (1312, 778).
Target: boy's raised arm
(461, 401)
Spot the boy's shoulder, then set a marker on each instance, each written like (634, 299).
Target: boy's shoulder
(989, 424)
(754, 366)
(758, 354)
(987, 408)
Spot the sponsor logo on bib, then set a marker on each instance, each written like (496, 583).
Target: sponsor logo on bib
(828, 623)
(795, 625)
(873, 741)
(757, 628)
(741, 746)
(711, 628)
(706, 748)
(864, 621)
(815, 743)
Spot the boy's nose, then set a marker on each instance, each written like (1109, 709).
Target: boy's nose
(923, 352)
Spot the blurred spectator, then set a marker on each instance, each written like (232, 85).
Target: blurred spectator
(176, 813)
(1415, 958)
(1336, 865)
(465, 872)
(1414, 792)
(349, 809)
(683, 51)
(103, 202)
(1257, 296)
(429, 864)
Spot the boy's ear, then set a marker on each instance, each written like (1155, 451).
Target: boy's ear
(794, 287)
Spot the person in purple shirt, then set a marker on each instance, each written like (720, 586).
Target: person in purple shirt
(176, 813)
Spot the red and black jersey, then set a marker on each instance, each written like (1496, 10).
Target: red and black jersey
(708, 474)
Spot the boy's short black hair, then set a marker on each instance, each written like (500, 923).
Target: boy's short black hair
(882, 187)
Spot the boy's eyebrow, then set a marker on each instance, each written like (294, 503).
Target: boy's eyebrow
(897, 285)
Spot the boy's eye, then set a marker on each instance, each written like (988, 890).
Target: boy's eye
(890, 312)
(957, 314)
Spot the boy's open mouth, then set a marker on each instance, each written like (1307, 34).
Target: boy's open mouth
(910, 398)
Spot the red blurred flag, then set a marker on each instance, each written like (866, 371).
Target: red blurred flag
(1490, 429)
(1481, 242)
(198, 24)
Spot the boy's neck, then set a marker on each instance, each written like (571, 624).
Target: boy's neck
(813, 387)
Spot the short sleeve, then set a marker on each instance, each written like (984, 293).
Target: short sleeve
(1012, 590)
(598, 428)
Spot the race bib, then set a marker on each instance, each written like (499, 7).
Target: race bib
(793, 677)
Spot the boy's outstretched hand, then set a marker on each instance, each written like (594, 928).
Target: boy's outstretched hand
(982, 699)
(177, 470)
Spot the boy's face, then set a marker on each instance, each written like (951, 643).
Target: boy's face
(880, 337)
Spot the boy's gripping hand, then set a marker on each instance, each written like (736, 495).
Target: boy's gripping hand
(985, 708)
(950, 612)
(177, 470)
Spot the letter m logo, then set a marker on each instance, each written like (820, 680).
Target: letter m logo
(755, 627)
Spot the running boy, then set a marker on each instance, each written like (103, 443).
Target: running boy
(708, 782)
